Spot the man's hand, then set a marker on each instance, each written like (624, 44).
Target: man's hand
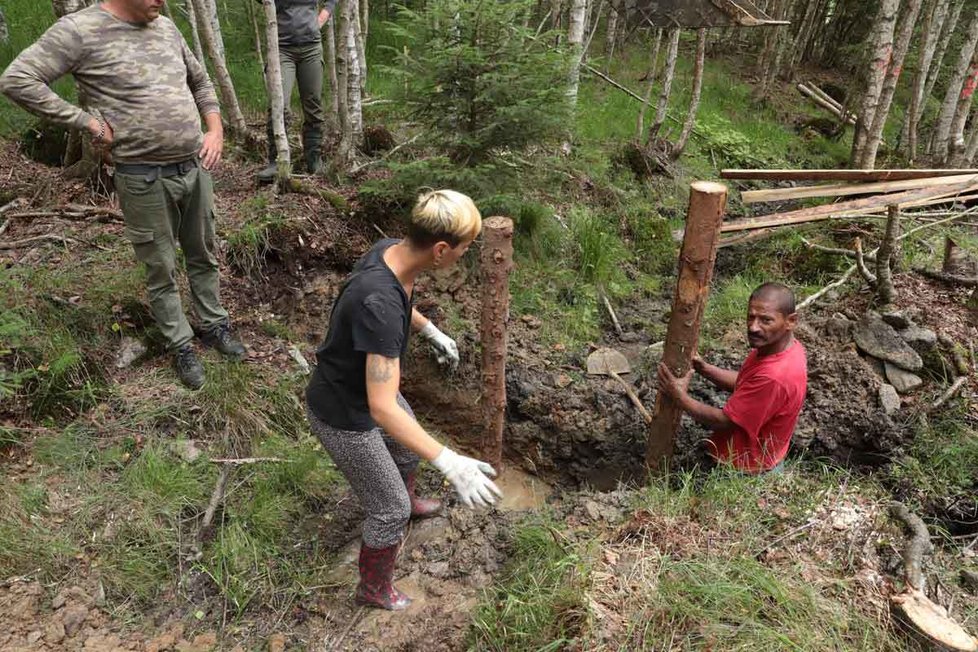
(323, 17)
(670, 384)
(102, 138)
(444, 347)
(210, 153)
(469, 476)
(698, 363)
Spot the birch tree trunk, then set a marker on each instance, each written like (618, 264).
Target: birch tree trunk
(971, 149)
(930, 31)
(365, 19)
(882, 48)
(360, 40)
(334, 86)
(901, 45)
(215, 23)
(956, 144)
(273, 85)
(653, 75)
(668, 74)
(575, 41)
(194, 30)
(342, 66)
(4, 30)
(611, 33)
(258, 46)
(950, 25)
(801, 38)
(351, 111)
(694, 102)
(225, 86)
(942, 128)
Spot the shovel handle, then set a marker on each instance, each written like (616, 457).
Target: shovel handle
(632, 395)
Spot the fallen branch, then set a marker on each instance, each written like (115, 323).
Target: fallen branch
(611, 313)
(815, 297)
(217, 496)
(848, 253)
(47, 237)
(71, 212)
(949, 393)
(3, 227)
(950, 279)
(246, 460)
(831, 108)
(867, 275)
(12, 205)
(335, 199)
(918, 546)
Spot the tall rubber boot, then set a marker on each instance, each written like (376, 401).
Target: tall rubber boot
(376, 588)
(420, 507)
(312, 141)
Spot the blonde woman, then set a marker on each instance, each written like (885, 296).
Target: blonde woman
(354, 404)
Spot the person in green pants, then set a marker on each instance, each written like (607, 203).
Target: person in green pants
(300, 48)
(146, 97)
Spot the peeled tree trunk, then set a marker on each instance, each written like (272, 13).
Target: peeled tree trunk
(901, 45)
(575, 41)
(930, 33)
(694, 102)
(667, 76)
(881, 48)
(955, 87)
(273, 86)
(225, 86)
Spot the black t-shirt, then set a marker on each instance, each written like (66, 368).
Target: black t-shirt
(372, 314)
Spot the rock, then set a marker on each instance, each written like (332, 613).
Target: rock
(531, 321)
(185, 449)
(897, 319)
(73, 618)
(34, 637)
(563, 380)
(921, 339)
(877, 338)
(889, 399)
(902, 380)
(300, 360)
(130, 350)
(630, 337)
(58, 601)
(838, 327)
(54, 633)
(593, 510)
(877, 366)
(969, 580)
(276, 643)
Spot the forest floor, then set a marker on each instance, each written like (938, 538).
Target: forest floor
(108, 464)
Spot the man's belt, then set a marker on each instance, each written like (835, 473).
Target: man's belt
(153, 172)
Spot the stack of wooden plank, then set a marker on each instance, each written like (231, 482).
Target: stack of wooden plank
(875, 189)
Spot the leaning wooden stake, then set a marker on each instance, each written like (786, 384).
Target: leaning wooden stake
(497, 261)
(706, 206)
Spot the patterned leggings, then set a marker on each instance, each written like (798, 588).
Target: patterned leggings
(376, 466)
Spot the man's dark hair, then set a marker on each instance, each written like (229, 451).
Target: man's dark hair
(779, 293)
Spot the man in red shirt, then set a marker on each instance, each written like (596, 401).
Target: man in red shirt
(753, 430)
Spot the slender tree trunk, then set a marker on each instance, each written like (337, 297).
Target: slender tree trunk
(225, 86)
(802, 35)
(667, 77)
(351, 107)
(955, 87)
(556, 19)
(899, 53)
(882, 49)
(194, 31)
(360, 40)
(342, 72)
(273, 86)
(334, 86)
(252, 16)
(611, 33)
(653, 74)
(365, 20)
(694, 102)
(575, 40)
(971, 149)
(354, 83)
(930, 31)
(215, 23)
(956, 142)
(4, 30)
(950, 25)
(885, 255)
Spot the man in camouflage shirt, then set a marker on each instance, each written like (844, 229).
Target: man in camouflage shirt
(146, 94)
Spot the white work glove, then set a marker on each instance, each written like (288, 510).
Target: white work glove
(470, 477)
(444, 347)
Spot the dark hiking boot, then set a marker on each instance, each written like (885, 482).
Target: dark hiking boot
(221, 339)
(188, 367)
(312, 145)
(267, 173)
(420, 507)
(376, 588)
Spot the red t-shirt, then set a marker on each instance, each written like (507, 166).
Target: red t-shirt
(765, 403)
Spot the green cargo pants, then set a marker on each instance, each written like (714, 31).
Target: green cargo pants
(304, 64)
(159, 213)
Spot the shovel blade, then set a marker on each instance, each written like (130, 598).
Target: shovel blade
(605, 361)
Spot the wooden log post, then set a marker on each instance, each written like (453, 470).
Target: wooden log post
(707, 201)
(497, 261)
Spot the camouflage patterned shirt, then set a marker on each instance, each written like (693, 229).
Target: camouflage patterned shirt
(142, 78)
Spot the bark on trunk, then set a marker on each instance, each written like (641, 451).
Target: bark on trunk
(694, 102)
(882, 48)
(930, 31)
(706, 207)
(334, 85)
(215, 23)
(225, 86)
(252, 16)
(352, 134)
(64, 7)
(611, 33)
(956, 143)
(653, 74)
(575, 39)
(360, 40)
(884, 274)
(667, 76)
(194, 31)
(955, 88)
(497, 261)
(273, 86)
(4, 30)
(937, 62)
(365, 19)
(902, 43)
(342, 73)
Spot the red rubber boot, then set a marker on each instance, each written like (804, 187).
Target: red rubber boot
(420, 507)
(376, 588)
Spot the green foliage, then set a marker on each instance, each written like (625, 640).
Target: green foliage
(478, 80)
(408, 179)
(540, 603)
(598, 251)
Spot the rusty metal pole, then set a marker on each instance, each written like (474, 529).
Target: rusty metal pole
(497, 261)
(707, 201)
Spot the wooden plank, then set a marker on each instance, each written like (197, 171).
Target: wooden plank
(840, 209)
(842, 190)
(841, 175)
(707, 202)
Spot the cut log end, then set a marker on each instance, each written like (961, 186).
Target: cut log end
(933, 622)
(709, 187)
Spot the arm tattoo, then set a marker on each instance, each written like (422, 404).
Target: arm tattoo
(380, 369)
